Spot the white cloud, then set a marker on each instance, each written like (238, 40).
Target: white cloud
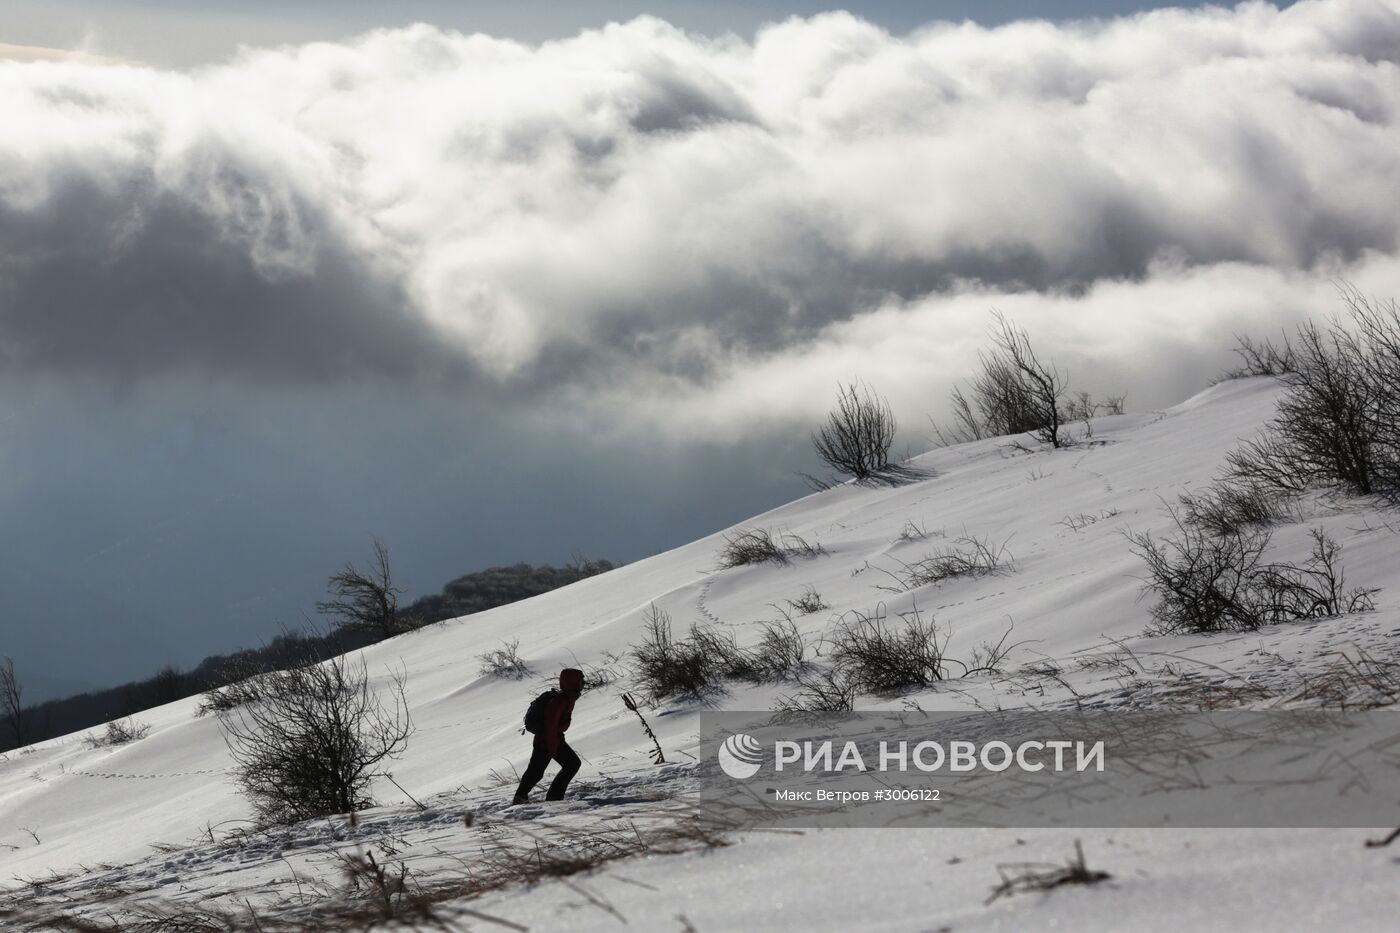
(694, 230)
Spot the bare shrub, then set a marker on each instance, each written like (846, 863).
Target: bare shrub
(913, 531)
(968, 557)
(751, 546)
(1315, 590)
(1214, 583)
(831, 690)
(365, 600)
(798, 546)
(1270, 460)
(597, 676)
(1081, 407)
(989, 657)
(809, 602)
(118, 732)
(1327, 418)
(315, 739)
(1114, 404)
(1339, 422)
(1227, 508)
(858, 433)
(727, 660)
(504, 661)
(1378, 328)
(782, 652)
(706, 657)
(1014, 392)
(665, 666)
(1202, 581)
(759, 546)
(1262, 358)
(887, 659)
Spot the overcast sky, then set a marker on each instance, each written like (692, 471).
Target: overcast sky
(497, 300)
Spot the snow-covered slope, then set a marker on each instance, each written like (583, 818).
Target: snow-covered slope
(1075, 591)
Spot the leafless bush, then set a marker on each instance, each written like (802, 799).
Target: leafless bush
(706, 657)
(1378, 328)
(887, 659)
(504, 661)
(118, 732)
(968, 557)
(759, 546)
(726, 658)
(1014, 392)
(831, 690)
(1213, 583)
(365, 600)
(1114, 404)
(782, 652)
(751, 546)
(913, 531)
(315, 739)
(665, 666)
(1339, 422)
(1229, 507)
(858, 433)
(809, 602)
(989, 657)
(597, 676)
(1081, 407)
(1271, 461)
(1262, 358)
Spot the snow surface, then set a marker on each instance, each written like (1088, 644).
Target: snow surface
(155, 816)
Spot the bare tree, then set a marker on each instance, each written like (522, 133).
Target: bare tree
(313, 740)
(11, 695)
(1211, 583)
(365, 600)
(1339, 422)
(1013, 393)
(858, 433)
(1378, 330)
(1037, 387)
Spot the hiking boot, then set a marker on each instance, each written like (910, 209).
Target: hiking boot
(519, 799)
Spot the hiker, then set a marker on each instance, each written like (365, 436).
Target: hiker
(549, 718)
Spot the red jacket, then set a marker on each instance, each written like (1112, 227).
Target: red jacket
(558, 713)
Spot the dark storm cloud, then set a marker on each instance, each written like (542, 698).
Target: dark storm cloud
(641, 205)
(114, 275)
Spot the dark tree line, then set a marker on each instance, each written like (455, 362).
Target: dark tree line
(473, 592)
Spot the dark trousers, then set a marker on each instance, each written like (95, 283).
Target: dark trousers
(539, 760)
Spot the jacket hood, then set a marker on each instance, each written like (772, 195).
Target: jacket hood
(570, 680)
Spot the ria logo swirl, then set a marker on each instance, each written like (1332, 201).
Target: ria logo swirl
(740, 756)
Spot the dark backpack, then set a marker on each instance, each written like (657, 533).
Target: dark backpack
(534, 715)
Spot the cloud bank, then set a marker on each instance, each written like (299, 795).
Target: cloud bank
(720, 227)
